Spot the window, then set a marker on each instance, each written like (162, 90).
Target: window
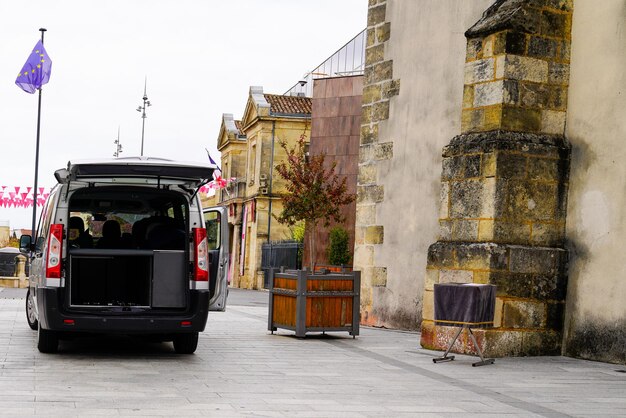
(252, 164)
(212, 220)
(127, 218)
(44, 223)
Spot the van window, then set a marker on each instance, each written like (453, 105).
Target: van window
(44, 223)
(212, 221)
(128, 218)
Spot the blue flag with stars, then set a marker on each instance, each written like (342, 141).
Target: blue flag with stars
(36, 71)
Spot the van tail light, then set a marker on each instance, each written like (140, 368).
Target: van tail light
(55, 246)
(201, 255)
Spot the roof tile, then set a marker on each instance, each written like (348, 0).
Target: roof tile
(289, 105)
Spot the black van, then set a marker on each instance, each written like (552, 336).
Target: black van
(122, 247)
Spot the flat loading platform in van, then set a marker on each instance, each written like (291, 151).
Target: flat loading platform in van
(122, 247)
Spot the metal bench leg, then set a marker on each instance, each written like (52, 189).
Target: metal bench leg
(445, 356)
(482, 361)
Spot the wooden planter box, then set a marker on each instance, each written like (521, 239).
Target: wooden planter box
(305, 302)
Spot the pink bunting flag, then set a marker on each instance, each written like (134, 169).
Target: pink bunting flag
(22, 196)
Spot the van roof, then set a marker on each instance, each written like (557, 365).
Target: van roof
(193, 173)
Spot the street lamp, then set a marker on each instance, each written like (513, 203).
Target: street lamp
(142, 109)
(118, 145)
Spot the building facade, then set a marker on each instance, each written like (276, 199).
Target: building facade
(489, 154)
(250, 151)
(335, 128)
(595, 312)
(413, 89)
(4, 233)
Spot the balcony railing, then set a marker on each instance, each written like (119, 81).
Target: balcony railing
(235, 189)
(348, 60)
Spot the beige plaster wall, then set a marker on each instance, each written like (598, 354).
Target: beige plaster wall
(427, 46)
(261, 135)
(4, 236)
(596, 218)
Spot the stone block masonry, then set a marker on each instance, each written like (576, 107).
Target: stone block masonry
(379, 88)
(517, 68)
(530, 282)
(505, 187)
(505, 180)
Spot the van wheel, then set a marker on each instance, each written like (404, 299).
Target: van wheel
(30, 312)
(47, 341)
(186, 343)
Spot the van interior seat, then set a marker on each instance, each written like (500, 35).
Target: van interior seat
(165, 237)
(111, 235)
(84, 239)
(126, 240)
(139, 233)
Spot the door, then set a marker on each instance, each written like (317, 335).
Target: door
(38, 257)
(138, 168)
(216, 222)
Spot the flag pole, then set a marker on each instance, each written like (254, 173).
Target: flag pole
(42, 30)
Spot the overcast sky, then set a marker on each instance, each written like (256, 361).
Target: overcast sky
(200, 58)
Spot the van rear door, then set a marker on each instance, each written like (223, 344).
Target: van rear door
(137, 170)
(216, 222)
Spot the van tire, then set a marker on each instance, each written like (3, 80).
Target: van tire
(186, 343)
(47, 341)
(30, 312)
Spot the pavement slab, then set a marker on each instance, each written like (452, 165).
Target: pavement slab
(240, 370)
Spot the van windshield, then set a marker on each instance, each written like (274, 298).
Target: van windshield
(127, 218)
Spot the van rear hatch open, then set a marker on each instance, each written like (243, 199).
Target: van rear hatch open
(144, 169)
(129, 242)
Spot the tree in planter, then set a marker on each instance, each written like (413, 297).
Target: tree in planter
(338, 252)
(297, 234)
(316, 194)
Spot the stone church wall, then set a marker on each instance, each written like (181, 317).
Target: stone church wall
(557, 99)
(412, 96)
(595, 324)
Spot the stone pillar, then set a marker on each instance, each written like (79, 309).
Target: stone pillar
(20, 271)
(505, 180)
(20, 266)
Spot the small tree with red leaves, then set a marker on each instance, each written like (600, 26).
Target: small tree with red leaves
(316, 194)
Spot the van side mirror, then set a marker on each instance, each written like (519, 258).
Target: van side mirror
(26, 244)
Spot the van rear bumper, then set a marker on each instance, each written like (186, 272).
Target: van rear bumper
(53, 316)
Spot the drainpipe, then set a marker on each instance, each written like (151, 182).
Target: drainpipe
(271, 175)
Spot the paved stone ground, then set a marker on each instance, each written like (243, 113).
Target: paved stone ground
(241, 370)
